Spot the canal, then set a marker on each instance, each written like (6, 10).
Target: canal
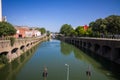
(54, 54)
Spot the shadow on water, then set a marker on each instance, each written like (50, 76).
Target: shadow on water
(108, 68)
(9, 72)
(113, 68)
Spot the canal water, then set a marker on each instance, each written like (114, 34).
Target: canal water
(54, 54)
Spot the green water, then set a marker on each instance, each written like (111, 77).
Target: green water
(54, 55)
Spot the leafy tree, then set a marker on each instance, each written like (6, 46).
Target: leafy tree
(80, 31)
(42, 30)
(74, 33)
(113, 25)
(89, 32)
(66, 30)
(48, 33)
(110, 24)
(6, 29)
(91, 24)
(12, 41)
(99, 25)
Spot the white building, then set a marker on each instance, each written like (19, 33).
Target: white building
(0, 10)
(37, 33)
(32, 33)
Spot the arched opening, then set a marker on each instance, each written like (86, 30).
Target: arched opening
(96, 47)
(117, 53)
(80, 43)
(73, 42)
(4, 53)
(22, 48)
(14, 50)
(84, 44)
(27, 45)
(77, 43)
(89, 45)
(3, 57)
(106, 50)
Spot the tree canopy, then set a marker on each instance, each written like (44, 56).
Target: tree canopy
(113, 25)
(80, 31)
(6, 29)
(66, 29)
(100, 27)
(42, 30)
(110, 24)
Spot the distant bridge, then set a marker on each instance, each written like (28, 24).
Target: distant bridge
(108, 48)
(20, 46)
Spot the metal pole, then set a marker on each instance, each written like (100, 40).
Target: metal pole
(67, 71)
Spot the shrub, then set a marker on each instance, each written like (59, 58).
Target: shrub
(12, 41)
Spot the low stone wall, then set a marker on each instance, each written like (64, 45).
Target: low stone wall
(20, 46)
(108, 48)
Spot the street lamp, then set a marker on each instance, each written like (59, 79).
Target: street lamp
(67, 71)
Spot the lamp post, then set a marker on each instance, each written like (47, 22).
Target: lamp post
(67, 71)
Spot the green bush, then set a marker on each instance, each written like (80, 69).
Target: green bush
(12, 41)
(3, 59)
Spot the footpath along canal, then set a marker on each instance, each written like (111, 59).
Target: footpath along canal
(59, 57)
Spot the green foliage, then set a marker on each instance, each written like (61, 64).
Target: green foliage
(6, 29)
(48, 33)
(74, 33)
(99, 25)
(3, 59)
(12, 41)
(110, 24)
(66, 30)
(42, 30)
(99, 28)
(89, 32)
(113, 25)
(80, 31)
(65, 48)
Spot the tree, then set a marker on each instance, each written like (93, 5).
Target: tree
(92, 24)
(6, 29)
(48, 33)
(80, 31)
(113, 25)
(42, 30)
(89, 32)
(99, 27)
(74, 33)
(110, 24)
(66, 30)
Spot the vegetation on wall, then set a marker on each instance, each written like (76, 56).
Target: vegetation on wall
(12, 41)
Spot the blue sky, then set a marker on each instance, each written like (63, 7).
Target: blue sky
(52, 14)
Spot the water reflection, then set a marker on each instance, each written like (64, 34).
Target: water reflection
(9, 72)
(66, 49)
(109, 69)
(54, 55)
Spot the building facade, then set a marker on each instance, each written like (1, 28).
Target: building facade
(23, 32)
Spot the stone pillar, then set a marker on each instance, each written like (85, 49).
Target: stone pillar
(18, 52)
(9, 56)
